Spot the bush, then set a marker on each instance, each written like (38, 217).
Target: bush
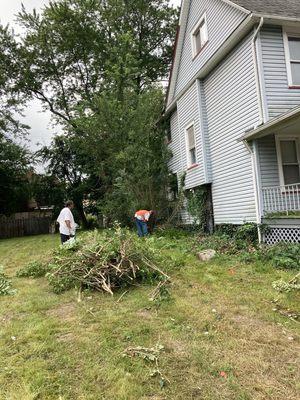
(281, 256)
(33, 270)
(105, 261)
(91, 222)
(5, 284)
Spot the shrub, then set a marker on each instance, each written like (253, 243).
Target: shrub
(284, 256)
(33, 270)
(5, 284)
(281, 256)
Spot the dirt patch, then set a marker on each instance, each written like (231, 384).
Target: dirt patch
(6, 318)
(65, 312)
(176, 347)
(144, 313)
(66, 337)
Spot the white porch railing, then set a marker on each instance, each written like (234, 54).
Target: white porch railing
(281, 199)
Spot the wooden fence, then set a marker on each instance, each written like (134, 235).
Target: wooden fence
(11, 227)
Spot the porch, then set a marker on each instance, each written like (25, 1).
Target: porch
(276, 154)
(281, 201)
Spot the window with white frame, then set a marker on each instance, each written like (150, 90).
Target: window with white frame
(288, 153)
(199, 36)
(191, 145)
(292, 50)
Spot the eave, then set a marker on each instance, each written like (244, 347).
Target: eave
(272, 126)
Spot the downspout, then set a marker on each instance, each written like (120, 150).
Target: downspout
(257, 73)
(260, 122)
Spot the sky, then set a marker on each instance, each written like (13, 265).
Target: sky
(41, 130)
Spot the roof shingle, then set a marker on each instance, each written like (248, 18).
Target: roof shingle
(282, 8)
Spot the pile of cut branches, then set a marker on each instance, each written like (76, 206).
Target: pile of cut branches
(105, 261)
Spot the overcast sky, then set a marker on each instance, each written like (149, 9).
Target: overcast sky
(39, 121)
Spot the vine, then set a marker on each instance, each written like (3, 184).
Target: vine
(198, 206)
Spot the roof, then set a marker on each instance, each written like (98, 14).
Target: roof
(276, 123)
(276, 10)
(280, 8)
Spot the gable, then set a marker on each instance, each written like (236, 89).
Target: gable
(222, 19)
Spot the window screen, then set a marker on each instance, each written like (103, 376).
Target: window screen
(290, 161)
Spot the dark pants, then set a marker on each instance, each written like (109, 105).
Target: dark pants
(141, 227)
(65, 238)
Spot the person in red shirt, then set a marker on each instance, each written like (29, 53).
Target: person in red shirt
(141, 220)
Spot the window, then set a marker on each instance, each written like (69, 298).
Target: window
(289, 160)
(292, 50)
(199, 36)
(191, 145)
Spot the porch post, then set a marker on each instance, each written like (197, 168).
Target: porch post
(260, 204)
(256, 182)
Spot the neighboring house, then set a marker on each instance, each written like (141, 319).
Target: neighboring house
(234, 108)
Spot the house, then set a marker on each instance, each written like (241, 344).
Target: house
(234, 107)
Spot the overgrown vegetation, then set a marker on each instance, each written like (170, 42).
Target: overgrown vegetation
(5, 284)
(34, 269)
(242, 241)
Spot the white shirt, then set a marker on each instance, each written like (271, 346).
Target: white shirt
(66, 215)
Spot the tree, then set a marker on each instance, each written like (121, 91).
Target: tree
(14, 158)
(64, 162)
(77, 49)
(48, 190)
(95, 65)
(11, 98)
(14, 167)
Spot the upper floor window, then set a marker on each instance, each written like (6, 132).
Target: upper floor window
(191, 145)
(288, 152)
(199, 36)
(292, 47)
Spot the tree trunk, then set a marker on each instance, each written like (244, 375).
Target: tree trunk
(82, 216)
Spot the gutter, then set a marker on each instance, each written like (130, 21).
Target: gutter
(253, 150)
(258, 72)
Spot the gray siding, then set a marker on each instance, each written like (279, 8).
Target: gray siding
(232, 108)
(188, 112)
(216, 11)
(175, 145)
(268, 161)
(280, 98)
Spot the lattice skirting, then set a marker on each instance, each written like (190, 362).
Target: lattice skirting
(280, 234)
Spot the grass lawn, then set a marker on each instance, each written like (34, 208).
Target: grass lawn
(222, 337)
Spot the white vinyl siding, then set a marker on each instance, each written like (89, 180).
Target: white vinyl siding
(279, 96)
(268, 162)
(188, 113)
(232, 108)
(175, 145)
(215, 11)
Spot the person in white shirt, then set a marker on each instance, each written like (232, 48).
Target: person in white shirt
(67, 226)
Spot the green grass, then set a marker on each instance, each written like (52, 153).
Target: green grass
(220, 318)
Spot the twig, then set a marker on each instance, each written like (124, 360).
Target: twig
(121, 297)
